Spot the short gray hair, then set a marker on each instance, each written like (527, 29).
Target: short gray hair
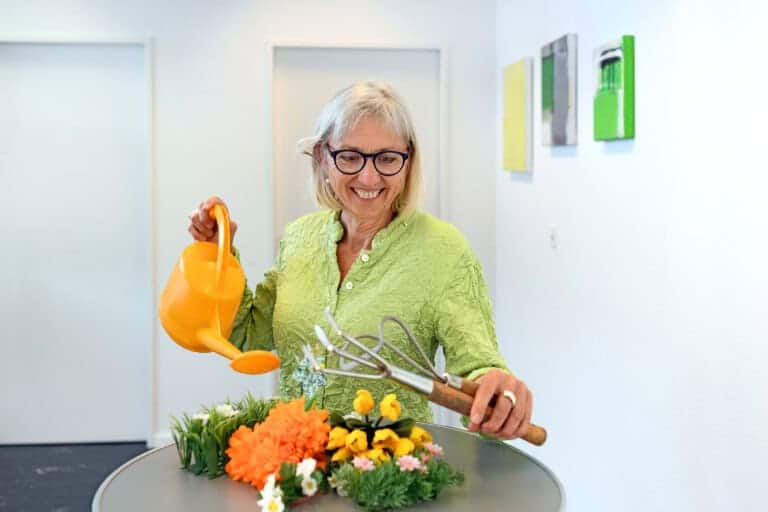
(341, 114)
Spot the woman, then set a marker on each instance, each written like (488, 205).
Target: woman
(371, 253)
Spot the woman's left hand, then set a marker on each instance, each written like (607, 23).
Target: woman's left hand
(507, 422)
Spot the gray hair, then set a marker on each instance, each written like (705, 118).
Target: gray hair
(341, 114)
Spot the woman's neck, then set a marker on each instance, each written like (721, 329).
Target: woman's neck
(359, 233)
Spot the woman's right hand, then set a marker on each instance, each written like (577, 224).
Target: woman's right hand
(203, 226)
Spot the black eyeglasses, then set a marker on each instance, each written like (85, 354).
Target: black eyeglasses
(350, 161)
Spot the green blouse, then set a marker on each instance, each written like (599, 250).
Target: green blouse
(419, 268)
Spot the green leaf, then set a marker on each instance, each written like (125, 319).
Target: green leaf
(403, 427)
(336, 419)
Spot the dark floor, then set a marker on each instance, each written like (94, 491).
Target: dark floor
(58, 478)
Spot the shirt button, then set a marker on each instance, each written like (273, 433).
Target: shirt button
(365, 258)
(348, 286)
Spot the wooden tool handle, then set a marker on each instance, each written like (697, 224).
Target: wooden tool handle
(461, 402)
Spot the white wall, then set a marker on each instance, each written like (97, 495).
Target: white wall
(644, 334)
(211, 119)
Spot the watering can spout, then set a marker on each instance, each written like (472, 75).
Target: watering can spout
(202, 296)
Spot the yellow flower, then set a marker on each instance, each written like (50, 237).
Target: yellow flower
(385, 438)
(390, 407)
(404, 447)
(363, 404)
(341, 455)
(377, 455)
(419, 436)
(356, 441)
(336, 438)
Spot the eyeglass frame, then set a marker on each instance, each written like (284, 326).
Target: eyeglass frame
(366, 156)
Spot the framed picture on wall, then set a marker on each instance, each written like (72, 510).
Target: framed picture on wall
(558, 91)
(518, 116)
(614, 103)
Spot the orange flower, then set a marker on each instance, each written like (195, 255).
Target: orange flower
(289, 434)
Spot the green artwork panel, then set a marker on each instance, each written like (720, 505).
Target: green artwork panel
(547, 83)
(558, 91)
(614, 104)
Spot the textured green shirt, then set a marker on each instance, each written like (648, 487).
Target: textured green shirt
(419, 268)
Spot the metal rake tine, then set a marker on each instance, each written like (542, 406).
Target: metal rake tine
(342, 353)
(311, 356)
(432, 370)
(382, 362)
(317, 367)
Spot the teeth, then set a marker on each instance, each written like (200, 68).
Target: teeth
(367, 195)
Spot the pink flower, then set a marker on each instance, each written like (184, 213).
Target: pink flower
(363, 463)
(424, 458)
(434, 449)
(408, 463)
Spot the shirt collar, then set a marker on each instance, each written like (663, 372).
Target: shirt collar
(383, 238)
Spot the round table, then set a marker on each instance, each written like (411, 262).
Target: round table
(498, 477)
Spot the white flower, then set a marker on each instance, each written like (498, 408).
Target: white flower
(333, 481)
(308, 486)
(273, 504)
(270, 488)
(201, 416)
(271, 496)
(226, 410)
(306, 467)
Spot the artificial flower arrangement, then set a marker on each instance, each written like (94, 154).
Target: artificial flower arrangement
(202, 438)
(381, 461)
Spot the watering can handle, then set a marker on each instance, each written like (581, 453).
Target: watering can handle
(225, 243)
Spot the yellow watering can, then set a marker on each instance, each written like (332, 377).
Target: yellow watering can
(201, 299)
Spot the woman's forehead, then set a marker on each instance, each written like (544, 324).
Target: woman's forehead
(371, 133)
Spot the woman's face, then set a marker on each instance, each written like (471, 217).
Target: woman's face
(367, 194)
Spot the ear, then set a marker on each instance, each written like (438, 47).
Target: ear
(317, 152)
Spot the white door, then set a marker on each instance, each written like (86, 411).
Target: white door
(75, 305)
(304, 79)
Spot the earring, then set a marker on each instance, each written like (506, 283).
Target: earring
(327, 180)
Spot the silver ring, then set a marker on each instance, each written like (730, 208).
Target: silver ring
(511, 395)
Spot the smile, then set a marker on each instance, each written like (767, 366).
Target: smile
(367, 194)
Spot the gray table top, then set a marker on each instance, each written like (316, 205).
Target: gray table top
(498, 477)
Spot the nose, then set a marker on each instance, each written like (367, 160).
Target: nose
(368, 176)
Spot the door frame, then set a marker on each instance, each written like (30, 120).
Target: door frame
(147, 43)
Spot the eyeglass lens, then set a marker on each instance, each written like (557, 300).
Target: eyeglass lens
(387, 162)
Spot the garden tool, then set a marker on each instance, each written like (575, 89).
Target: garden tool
(444, 389)
(202, 296)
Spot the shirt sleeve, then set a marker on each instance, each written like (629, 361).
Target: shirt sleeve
(252, 328)
(464, 323)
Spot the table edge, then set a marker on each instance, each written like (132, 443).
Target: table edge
(96, 502)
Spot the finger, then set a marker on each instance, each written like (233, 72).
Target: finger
(206, 230)
(516, 416)
(482, 398)
(197, 234)
(499, 418)
(526, 423)
(204, 215)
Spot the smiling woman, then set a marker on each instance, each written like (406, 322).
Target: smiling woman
(373, 253)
